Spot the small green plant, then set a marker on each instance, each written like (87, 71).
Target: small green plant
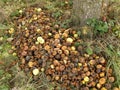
(15, 13)
(59, 3)
(98, 26)
(63, 4)
(64, 23)
(76, 44)
(89, 51)
(4, 80)
(116, 30)
(57, 14)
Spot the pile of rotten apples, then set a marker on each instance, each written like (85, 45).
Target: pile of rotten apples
(43, 46)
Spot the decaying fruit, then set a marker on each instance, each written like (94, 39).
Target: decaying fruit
(102, 80)
(45, 47)
(69, 40)
(35, 71)
(86, 79)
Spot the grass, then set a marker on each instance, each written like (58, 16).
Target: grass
(114, 62)
(111, 50)
(23, 81)
(20, 81)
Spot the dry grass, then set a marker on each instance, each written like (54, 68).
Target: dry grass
(110, 49)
